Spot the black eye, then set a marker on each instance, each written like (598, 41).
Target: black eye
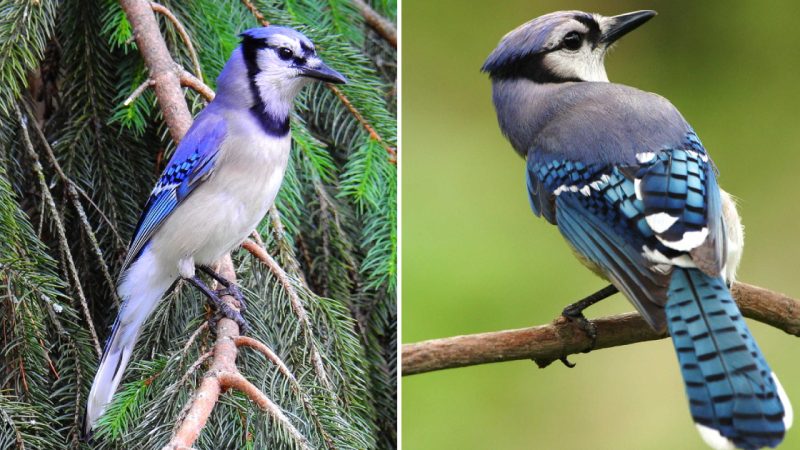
(573, 40)
(285, 53)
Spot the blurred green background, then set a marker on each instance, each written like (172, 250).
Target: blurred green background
(476, 259)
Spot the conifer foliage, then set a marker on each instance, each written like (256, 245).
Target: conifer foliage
(77, 162)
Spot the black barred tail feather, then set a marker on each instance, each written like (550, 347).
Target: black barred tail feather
(734, 397)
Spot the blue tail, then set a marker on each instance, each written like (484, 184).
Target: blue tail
(731, 388)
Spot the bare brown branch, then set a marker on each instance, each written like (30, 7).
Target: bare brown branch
(195, 83)
(378, 23)
(561, 338)
(163, 69)
(138, 91)
(164, 11)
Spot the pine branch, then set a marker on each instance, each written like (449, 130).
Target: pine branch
(297, 305)
(62, 234)
(561, 338)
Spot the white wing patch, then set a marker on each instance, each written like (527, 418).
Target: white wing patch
(660, 222)
(664, 264)
(585, 190)
(714, 438)
(645, 157)
(689, 241)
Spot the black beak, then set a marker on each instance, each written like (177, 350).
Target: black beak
(625, 23)
(324, 73)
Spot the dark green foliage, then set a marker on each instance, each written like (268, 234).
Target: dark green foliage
(335, 239)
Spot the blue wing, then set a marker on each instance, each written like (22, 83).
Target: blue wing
(635, 222)
(192, 163)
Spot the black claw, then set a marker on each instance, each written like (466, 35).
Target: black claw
(566, 362)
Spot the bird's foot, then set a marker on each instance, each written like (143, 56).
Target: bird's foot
(234, 291)
(574, 313)
(229, 288)
(222, 307)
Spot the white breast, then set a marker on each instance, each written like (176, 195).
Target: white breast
(227, 207)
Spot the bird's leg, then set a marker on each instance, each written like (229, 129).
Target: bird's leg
(228, 288)
(574, 312)
(221, 306)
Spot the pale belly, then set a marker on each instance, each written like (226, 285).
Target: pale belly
(224, 210)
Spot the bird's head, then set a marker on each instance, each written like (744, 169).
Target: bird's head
(279, 61)
(561, 46)
(266, 72)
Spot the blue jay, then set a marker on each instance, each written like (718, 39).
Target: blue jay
(217, 187)
(632, 190)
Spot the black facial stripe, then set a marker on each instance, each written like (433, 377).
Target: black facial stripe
(306, 49)
(271, 125)
(531, 67)
(590, 23)
(593, 36)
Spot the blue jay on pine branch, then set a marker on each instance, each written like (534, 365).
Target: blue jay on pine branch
(634, 192)
(219, 184)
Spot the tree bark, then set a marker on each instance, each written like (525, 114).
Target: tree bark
(561, 338)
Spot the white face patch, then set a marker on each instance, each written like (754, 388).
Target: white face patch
(585, 64)
(278, 80)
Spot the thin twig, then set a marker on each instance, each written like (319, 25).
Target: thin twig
(194, 336)
(138, 91)
(163, 10)
(562, 337)
(378, 23)
(195, 365)
(120, 242)
(161, 66)
(372, 133)
(62, 234)
(256, 13)
(189, 80)
(245, 341)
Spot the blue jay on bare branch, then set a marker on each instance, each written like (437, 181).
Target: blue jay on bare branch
(634, 192)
